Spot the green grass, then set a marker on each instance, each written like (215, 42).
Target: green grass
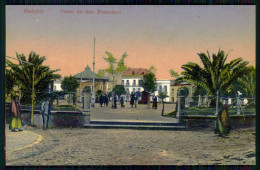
(209, 111)
(65, 108)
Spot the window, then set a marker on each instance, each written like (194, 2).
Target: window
(133, 73)
(101, 87)
(133, 89)
(123, 82)
(160, 88)
(165, 89)
(54, 87)
(139, 89)
(134, 83)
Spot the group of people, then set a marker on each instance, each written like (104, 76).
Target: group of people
(103, 99)
(133, 100)
(15, 114)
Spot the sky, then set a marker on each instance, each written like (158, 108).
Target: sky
(163, 36)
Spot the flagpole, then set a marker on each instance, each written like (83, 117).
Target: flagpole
(93, 89)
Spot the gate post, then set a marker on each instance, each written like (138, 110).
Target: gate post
(217, 104)
(86, 102)
(238, 105)
(207, 100)
(179, 107)
(199, 101)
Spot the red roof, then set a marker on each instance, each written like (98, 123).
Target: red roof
(136, 71)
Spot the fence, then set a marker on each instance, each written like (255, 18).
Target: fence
(60, 116)
(200, 105)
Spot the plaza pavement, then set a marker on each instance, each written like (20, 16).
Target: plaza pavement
(21, 139)
(81, 146)
(141, 113)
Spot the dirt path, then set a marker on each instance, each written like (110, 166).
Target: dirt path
(79, 146)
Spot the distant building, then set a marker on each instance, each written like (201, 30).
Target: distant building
(57, 85)
(131, 79)
(176, 87)
(164, 86)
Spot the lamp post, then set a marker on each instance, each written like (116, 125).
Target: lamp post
(33, 95)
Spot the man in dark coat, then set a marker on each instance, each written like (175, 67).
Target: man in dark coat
(115, 102)
(132, 100)
(101, 100)
(122, 101)
(154, 102)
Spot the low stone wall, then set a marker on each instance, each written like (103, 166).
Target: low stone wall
(56, 119)
(197, 122)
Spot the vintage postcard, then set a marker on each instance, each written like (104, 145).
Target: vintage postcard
(130, 85)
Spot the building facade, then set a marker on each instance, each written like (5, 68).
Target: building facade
(57, 85)
(164, 86)
(131, 80)
(176, 87)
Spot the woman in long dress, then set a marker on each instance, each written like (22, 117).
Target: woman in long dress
(16, 122)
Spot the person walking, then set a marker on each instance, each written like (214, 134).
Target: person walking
(115, 102)
(122, 101)
(132, 100)
(154, 102)
(45, 110)
(105, 100)
(101, 100)
(136, 99)
(16, 122)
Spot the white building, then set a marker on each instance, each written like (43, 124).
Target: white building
(57, 85)
(131, 80)
(132, 84)
(163, 86)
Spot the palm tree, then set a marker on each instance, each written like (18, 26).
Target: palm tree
(248, 82)
(216, 74)
(23, 74)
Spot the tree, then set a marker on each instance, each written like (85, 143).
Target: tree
(149, 85)
(200, 91)
(69, 84)
(174, 73)
(162, 96)
(87, 89)
(216, 74)
(10, 81)
(153, 69)
(248, 83)
(100, 73)
(119, 90)
(25, 74)
(98, 94)
(115, 68)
